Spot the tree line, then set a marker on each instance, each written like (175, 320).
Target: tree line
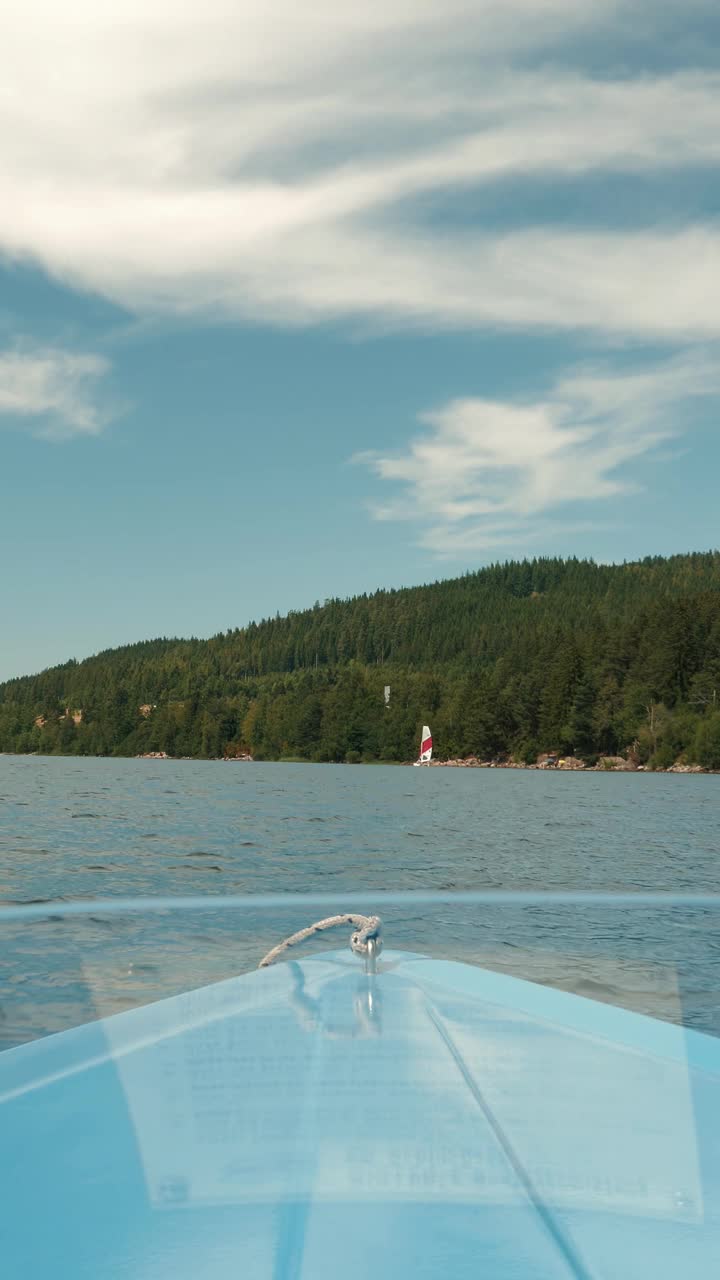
(515, 659)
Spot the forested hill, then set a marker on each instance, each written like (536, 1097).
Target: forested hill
(517, 658)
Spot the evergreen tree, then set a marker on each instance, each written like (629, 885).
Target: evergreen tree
(517, 658)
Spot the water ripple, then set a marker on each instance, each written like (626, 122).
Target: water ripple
(256, 832)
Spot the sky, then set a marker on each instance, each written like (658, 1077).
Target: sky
(299, 300)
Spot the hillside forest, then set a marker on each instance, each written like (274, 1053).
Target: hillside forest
(516, 659)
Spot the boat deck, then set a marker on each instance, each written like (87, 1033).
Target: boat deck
(433, 1120)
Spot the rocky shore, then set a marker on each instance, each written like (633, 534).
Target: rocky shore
(605, 764)
(163, 755)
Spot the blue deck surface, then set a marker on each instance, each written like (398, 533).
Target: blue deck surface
(310, 1121)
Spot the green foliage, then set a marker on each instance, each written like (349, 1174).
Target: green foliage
(518, 658)
(707, 742)
(663, 758)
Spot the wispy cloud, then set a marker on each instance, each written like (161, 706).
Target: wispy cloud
(488, 473)
(272, 160)
(53, 393)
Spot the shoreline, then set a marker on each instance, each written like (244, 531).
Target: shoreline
(570, 766)
(575, 767)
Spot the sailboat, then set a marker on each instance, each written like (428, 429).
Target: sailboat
(425, 747)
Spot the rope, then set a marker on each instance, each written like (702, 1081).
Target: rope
(366, 928)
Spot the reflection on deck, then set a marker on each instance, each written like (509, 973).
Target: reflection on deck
(268, 1101)
(442, 1115)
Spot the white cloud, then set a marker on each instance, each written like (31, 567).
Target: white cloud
(270, 160)
(52, 392)
(650, 285)
(487, 473)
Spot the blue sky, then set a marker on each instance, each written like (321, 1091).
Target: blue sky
(302, 300)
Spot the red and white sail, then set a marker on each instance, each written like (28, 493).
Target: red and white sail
(426, 746)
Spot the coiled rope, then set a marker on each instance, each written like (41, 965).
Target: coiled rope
(367, 928)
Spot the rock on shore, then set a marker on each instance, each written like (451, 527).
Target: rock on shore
(605, 764)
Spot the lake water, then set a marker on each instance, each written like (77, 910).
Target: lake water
(85, 829)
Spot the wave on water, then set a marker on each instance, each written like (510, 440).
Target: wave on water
(454, 832)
